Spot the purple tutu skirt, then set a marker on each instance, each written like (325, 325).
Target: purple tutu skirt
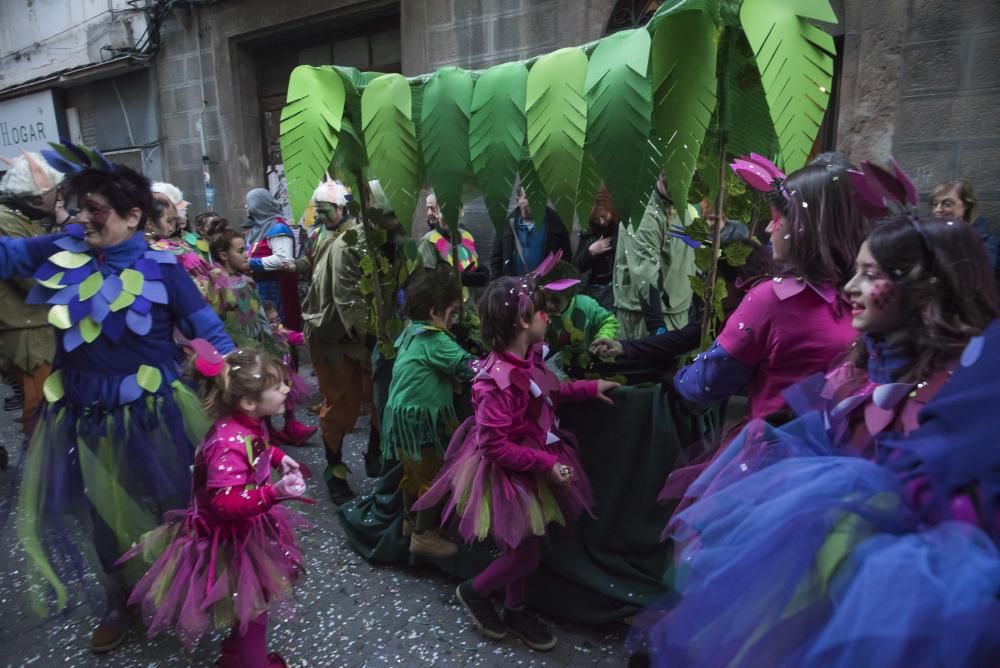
(299, 391)
(220, 577)
(507, 506)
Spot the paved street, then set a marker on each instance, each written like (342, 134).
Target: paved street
(350, 614)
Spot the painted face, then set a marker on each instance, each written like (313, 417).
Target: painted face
(235, 260)
(271, 402)
(949, 205)
(329, 214)
(780, 238)
(447, 319)
(102, 225)
(875, 304)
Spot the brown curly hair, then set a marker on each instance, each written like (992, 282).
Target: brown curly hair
(247, 374)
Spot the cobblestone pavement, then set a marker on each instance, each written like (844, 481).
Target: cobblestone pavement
(350, 613)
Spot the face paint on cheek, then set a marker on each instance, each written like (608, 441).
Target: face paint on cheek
(544, 316)
(882, 293)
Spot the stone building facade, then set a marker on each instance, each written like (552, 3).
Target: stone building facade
(916, 78)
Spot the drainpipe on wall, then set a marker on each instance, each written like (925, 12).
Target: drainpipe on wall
(205, 171)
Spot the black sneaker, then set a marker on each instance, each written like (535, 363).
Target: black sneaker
(340, 490)
(529, 629)
(481, 609)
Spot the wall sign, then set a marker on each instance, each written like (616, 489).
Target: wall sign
(27, 123)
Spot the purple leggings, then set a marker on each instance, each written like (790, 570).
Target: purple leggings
(511, 570)
(248, 650)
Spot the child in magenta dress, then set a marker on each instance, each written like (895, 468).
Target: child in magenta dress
(232, 556)
(510, 472)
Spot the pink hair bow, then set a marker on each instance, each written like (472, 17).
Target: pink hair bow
(760, 173)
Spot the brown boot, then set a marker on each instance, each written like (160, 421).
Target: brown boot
(432, 544)
(112, 630)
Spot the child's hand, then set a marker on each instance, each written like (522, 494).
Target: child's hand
(291, 486)
(288, 465)
(561, 474)
(603, 387)
(606, 348)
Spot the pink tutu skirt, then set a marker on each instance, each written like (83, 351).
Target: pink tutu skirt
(217, 577)
(299, 392)
(506, 505)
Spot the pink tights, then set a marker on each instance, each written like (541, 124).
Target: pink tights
(511, 570)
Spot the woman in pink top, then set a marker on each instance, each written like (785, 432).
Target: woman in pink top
(796, 323)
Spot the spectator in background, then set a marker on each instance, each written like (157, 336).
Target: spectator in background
(595, 252)
(435, 246)
(957, 200)
(527, 241)
(271, 246)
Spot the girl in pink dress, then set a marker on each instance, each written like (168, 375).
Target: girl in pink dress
(231, 557)
(510, 471)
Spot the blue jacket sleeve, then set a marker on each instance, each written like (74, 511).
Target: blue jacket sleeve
(714, 376)
(22, 257)
(195, 318)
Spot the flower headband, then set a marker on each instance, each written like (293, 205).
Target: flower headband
(760, 174)
(879, 193)
(526, 289)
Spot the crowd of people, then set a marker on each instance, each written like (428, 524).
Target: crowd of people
(850, 512)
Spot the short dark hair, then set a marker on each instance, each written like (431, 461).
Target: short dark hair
(268, 305)
(499, 309)
(824, 226)
(946, 284)
(431, 290)
(124, 188)
(221, 243)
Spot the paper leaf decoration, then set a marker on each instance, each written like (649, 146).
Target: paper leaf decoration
(557, 125)
(447, 105)
(587, 188)
(684, 84)
(796, 68)
(310, 125)
(53, 388)
(391, 142)
(537, 199)
(497, 131)
(149, 378)
(69, 260)
(619, 105)
(59, 317)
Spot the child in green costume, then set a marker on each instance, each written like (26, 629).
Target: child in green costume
(576, 320)
(420, 415)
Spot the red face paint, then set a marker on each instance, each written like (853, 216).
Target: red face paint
(97, 215)
(544, 316)
(882, 293)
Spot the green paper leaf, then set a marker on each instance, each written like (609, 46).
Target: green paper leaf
(69, 260)
(53, 387)
(90, 286)
(447, 104)
(684, 59)
(123, 300)
(497, 132)
(89, 329)
(59, 317)
(132, 281)
(586, 190)
(54, 282)
(149, 378)
(795, 60)
(391, 142)
(537, 198)
(619, 105)
(310, 126)
(557, 124)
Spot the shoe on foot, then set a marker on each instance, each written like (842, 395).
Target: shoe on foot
(531, 630)
(432, 544)
(314, 409)
(275, 660)
(340, 490)
(481, 609)
(111, 632)
(296, 433)
(275, 436)
(407, 527)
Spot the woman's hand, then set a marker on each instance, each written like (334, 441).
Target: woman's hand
(603, 387)
(561, 474)
(607, 348)
(600, 247)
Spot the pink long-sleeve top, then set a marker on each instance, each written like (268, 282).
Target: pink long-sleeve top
(515, 400)
(229, 486)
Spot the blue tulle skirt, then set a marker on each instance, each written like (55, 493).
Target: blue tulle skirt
(799, 555)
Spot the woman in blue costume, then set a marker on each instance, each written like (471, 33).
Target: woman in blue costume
(116, 436)
(808, 550)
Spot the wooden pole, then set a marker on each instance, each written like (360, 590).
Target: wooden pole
(713, 268)
(363, 194)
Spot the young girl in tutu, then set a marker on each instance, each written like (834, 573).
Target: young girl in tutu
(285, 340)
(800, 552)
(232, 556)
(510, 471)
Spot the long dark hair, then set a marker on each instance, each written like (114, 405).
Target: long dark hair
(825, 228)
(946, 285)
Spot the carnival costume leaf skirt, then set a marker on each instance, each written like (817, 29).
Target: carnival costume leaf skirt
(217, 574)
(506, 505)
(113, 452)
